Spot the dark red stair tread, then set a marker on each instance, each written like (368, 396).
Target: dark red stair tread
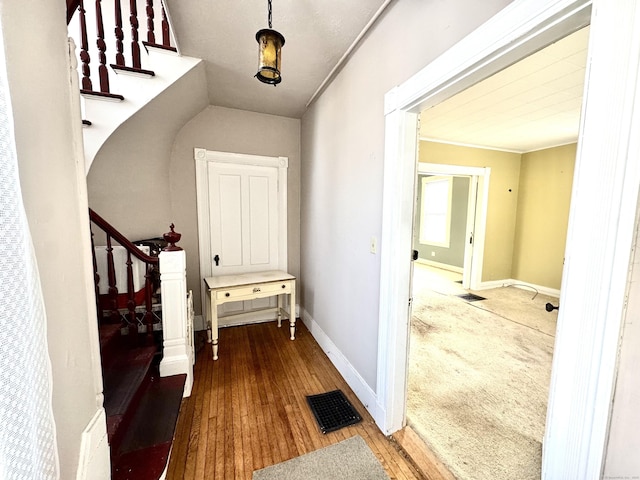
(144, 450)
(155, 419)
(123, 378)
(109, 335)
(144, 464)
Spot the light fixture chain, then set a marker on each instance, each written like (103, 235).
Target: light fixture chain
(269, 1)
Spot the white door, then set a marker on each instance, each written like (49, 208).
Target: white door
(241, 218)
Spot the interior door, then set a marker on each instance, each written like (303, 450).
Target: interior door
(242, 220)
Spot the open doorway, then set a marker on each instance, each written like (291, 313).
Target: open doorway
(605, 188)
(480, 355)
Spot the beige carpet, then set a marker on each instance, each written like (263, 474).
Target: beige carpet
(478, 378)
(351, 459)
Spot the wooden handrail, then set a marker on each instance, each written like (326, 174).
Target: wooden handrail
(72, 6)
(121, 239)
(110, 302)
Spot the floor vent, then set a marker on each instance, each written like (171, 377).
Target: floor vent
(470, 297)
(332, 411)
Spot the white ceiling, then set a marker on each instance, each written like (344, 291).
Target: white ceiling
(529, 106)
(222, 32)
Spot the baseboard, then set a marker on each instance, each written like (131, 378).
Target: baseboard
(552, 292)
(95, 462)
(364, 393)
(442, 266)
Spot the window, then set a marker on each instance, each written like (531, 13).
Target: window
(435, 219)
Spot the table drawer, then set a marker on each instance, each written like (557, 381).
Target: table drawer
(254, 291)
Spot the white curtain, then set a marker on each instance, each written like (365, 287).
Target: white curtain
(28, 447)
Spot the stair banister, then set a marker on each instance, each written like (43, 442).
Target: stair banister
(150, 262)
(177, 357)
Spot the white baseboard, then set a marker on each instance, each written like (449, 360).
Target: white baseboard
(364, 393)
(442, 266)
(95, 462)
(552, 292)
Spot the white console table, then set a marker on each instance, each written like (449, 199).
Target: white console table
(249, 286)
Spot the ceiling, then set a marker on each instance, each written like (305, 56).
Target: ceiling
(222, 33)
(529, 106)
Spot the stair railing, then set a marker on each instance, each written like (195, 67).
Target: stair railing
(112, 312)
(97, 17)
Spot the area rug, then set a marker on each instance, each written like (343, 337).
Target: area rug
(478, 382)
(351, 459)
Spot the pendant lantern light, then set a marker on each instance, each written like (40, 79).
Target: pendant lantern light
(270, 45)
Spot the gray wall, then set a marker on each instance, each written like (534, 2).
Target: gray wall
(235, 131)
(454, 254)
(342, 174)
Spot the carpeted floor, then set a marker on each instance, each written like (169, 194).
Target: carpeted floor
(351, 459)
(478, 377)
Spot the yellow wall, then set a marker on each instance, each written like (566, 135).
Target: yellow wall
(501, 216)
(544, 200)
(527, 226)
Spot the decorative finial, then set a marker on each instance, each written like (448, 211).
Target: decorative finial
(172, 238)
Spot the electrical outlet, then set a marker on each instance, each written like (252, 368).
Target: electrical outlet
(433, 254)
(373, 247)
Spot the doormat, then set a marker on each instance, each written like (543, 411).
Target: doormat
(332, 411)
(470, 297)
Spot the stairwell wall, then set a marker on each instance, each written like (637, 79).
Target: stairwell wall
(128, 181)
(49, 149)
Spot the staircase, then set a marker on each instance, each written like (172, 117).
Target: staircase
(141, 407)
(126, 56)
(141, 401)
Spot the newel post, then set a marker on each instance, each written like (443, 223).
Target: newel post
(177, 353)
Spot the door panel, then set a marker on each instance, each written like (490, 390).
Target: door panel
(243, 220)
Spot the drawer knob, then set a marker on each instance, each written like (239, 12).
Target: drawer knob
(284, 286)
(256, 290)
(227, 294)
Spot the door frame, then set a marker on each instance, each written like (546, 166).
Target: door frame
(202, 158)
(477, 209)
(605, 189)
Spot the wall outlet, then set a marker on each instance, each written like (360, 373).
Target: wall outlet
(373, 247)
(433, 254)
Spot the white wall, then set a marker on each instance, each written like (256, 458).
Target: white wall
(341, 183)
(128, 180)
(622, 459)
(235, 131)
(48, 140)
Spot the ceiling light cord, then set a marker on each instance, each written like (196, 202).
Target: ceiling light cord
(269, 14)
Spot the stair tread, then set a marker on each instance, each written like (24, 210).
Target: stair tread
(144, 464)
(144, 451)
(156, 416)
(109, 332)
(124, 376)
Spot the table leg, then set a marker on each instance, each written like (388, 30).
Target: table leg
(214, 327)
(279, 297)
(292, 312)
(207, 313)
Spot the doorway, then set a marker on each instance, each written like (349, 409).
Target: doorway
(471, 185)
(579, 402)
(242, 222)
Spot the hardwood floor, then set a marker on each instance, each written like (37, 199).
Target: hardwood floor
(248, 409)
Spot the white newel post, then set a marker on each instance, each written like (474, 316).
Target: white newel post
(177, 353)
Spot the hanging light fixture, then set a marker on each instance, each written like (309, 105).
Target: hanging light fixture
(270, 45)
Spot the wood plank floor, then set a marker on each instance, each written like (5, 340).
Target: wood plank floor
(248, 409)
